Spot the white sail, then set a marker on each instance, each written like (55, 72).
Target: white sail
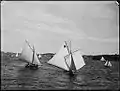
(102, 59)
(16, 54)
(78, 60)
(106, 63)
(67, 60)
(39, 56)
(109, 63)
(36, 60)
(26, 53)
(59, 59)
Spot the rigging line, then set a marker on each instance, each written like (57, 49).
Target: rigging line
(72, 52)
(33, 55)
(72, 62)
(67, 47)
(29, 45)
(67, 55)
(70, 45)
(75, 51)
(66, 63)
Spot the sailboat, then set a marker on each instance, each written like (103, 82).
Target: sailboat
(28, 54)
(39, 56)
(102, 59)
(108, 64)
(17, 54)
(68, 60)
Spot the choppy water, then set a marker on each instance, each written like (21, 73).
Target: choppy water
(15, 76)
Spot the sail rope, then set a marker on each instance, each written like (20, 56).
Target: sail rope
(66, 63)
(29, 45)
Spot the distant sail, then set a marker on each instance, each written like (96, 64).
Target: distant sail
(16, 54)
(102, 59)
(109, 63)
(59, 59)
(106, 63)
(39, 56)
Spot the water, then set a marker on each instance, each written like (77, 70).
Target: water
(15, 76)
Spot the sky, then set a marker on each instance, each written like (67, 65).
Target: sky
(92, 26)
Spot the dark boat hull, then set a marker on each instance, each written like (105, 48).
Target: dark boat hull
(32, 66)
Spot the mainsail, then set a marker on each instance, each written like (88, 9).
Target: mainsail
(58, 59)
(26, 53)
(29, 55)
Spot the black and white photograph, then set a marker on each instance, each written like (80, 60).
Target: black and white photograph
(60, 45)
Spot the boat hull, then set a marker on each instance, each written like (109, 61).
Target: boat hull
(32, 66)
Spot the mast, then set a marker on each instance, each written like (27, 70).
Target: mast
(72, 61)
(33, 54)
(67, 47)
(72, 65)
(70, 46)
(28, 44)
(75, 51)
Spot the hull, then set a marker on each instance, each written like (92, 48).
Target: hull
(69, 72)
(72, 72)
(32, 66)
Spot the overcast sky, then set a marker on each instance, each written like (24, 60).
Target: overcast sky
(92, 26)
